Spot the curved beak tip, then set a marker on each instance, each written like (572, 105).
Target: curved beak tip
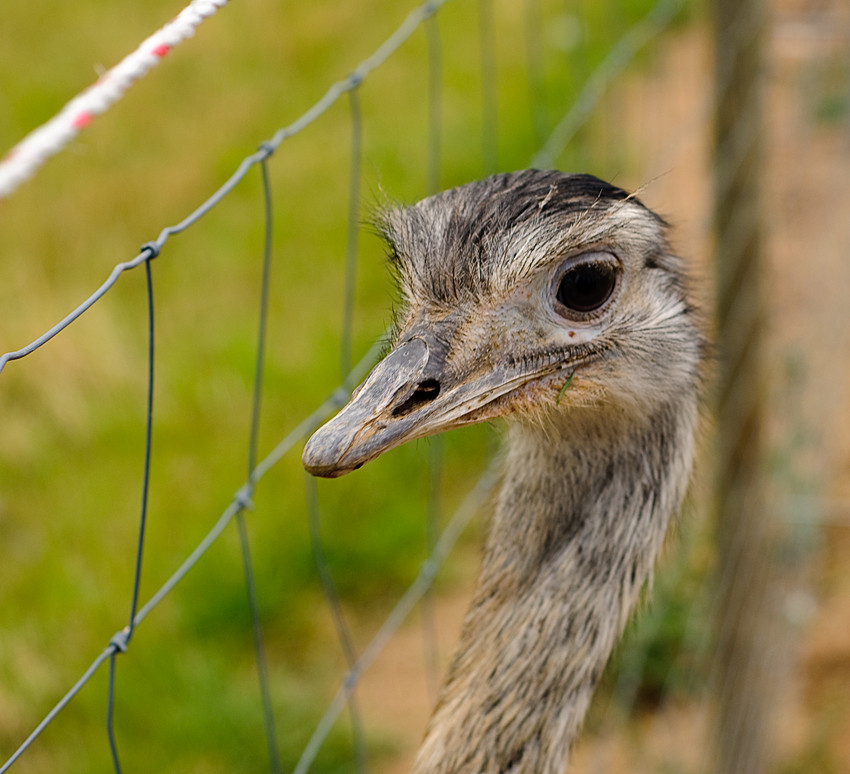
(322, 457)
(356, 434)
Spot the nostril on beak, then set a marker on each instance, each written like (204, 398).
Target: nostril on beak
(425, 392)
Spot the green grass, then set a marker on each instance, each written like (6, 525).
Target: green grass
(71, 437)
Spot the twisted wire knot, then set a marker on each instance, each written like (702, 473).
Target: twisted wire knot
(120, 640)
(152, 249)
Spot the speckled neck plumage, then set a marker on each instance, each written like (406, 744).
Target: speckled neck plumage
(580, 520)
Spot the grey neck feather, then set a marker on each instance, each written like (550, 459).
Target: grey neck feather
(580, 520)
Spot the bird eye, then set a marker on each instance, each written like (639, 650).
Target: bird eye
(587, 286)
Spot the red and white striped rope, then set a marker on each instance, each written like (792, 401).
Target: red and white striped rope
(29, 154)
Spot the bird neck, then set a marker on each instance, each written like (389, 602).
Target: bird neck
(580, 519)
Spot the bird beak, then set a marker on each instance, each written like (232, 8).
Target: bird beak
(410, 394)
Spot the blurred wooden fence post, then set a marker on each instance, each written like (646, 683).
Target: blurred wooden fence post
(744, 685)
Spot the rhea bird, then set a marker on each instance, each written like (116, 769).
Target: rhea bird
(552, 300)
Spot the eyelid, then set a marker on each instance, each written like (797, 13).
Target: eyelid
(588, 256)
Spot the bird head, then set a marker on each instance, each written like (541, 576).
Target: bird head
(528, 295)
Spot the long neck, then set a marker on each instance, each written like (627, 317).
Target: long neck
(580, 520)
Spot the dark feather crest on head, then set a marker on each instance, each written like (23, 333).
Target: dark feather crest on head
(444, 247)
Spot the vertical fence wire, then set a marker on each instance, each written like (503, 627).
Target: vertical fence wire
(122, 639)
(489, 93)
(313, 517)
(334, 603)
(245, 548)
(259, 646)
(262, 323)
(353, 228)
(435, 103)
(535, 72)
(146, 473)
(98, 662)
(110, 715)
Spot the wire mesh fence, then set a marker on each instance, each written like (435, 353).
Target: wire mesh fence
(115, 406)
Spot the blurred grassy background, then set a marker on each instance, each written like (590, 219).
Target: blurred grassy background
(73, 413)
(72, 429)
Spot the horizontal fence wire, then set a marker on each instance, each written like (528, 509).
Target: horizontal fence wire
(240, 502)
(574, 117)
(152, 249)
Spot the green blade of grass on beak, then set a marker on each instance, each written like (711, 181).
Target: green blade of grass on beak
(564, 388)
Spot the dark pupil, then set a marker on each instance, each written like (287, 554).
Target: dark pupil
(585, 288)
